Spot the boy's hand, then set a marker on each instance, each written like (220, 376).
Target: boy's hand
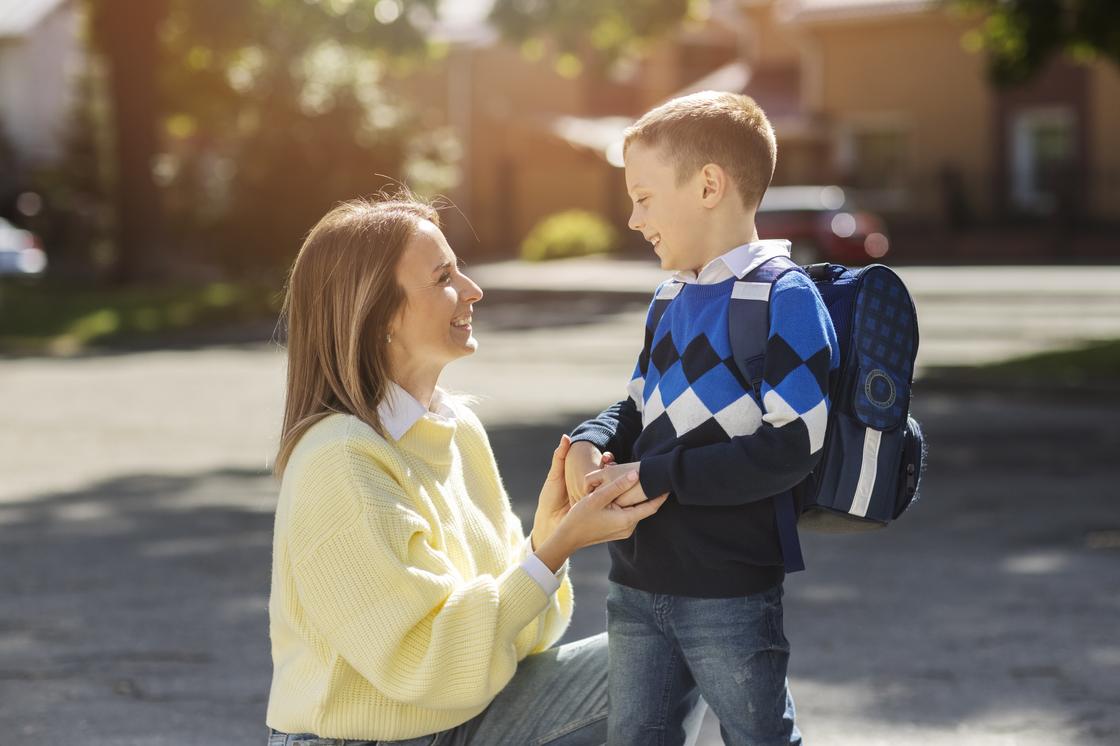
(560, 529)
(583, 458)
(610, 473)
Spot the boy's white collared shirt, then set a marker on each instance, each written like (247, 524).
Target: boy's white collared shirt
(400, 410)
(736, 263)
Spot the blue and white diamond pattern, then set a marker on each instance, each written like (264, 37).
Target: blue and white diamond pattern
(653, 408)
(740, 417)
(687, 412)
(779, 413)
(635, 390)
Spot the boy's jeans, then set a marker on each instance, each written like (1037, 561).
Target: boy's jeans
(667, 651)
(556, 698)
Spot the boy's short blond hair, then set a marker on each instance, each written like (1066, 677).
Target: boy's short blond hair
(728, 129)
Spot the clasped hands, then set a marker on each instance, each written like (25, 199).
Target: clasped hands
(586, 468)
(609, 503)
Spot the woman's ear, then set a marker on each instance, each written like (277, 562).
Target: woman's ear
(392, 327)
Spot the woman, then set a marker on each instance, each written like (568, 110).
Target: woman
(405, 597)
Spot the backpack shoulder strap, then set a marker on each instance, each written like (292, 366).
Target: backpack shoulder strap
(748, 317)
(748, 324)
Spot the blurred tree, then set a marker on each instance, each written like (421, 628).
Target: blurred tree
(602, 30)
(276, 110)
(9, 175)
(250, 118)
(124, 31)
(1021, 36)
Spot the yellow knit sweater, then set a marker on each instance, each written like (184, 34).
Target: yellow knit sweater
(399, 607)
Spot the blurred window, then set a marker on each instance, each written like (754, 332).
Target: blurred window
(1043, 147)
(878, 157)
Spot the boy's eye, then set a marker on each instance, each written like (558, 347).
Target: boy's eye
(640, 200)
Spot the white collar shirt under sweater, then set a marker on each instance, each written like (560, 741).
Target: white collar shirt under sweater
(736, 263)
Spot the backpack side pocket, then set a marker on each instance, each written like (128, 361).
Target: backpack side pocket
(911, 467)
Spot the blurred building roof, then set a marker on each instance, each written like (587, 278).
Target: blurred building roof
(602, 135)
(777, 91)
(733, 76)
(844, 10)
(19, 17)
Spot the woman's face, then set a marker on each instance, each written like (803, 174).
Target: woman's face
(434, 325)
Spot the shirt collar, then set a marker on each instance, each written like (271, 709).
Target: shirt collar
(400, 410)
(737, 262)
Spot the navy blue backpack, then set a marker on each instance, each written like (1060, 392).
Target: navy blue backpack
(874, 451)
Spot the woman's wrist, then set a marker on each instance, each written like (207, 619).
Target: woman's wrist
(539, 534)
(552, 551)
(544, 526)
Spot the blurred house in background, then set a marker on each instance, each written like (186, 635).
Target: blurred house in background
(888, 98)
(41, 53)
(907, 116)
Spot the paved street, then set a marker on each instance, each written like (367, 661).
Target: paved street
(135, 517)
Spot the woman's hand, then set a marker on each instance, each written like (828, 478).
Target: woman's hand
(552, 505)
(611, 472)
(560, 528)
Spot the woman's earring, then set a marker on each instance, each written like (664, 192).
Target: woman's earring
(388, 339)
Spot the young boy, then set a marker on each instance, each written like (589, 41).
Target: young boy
(694, 606)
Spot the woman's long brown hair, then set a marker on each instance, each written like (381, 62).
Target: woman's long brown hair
(342, 294)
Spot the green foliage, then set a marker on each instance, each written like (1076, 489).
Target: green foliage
(604, 30)
(269, 112)
(1084, 367)
(1091, 361)
(61, 317)
(569, 234)
(1021, 36)
(278, 110)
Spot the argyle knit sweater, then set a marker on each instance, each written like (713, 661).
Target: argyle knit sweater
(399, 606)
(721, 449)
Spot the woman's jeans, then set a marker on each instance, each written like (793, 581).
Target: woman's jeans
(668, 651)
(558, 698)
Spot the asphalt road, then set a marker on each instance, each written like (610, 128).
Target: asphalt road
(135, 520)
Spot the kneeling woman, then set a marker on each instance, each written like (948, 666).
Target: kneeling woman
(406, 602)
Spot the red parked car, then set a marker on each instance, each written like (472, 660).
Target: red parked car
(822, 225)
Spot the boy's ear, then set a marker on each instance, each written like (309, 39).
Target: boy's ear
(713, 180)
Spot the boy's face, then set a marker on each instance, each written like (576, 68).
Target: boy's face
(669, 216)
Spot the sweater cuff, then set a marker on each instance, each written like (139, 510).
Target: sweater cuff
(538, 570)
(596, 436)
(521, 601)
(655, 474)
